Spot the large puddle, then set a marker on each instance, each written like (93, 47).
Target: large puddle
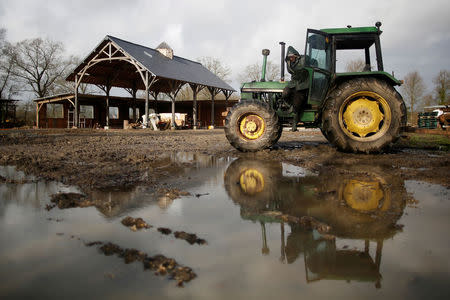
(386, 238)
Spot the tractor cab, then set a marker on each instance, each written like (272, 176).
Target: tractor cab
(316, 70)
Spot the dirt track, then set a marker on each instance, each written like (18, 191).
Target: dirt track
(95, 159)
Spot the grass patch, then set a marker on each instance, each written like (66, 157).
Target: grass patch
(425, 141)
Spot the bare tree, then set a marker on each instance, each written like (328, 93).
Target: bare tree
(2, 37)
(62, 86)
(442, 85)
(253, 72)
(428, 100)
(39, 64)
(413, 89)
(185, 93)
(8, 87)
(356, 65)
(216, 67)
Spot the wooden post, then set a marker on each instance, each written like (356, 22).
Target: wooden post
(134, 101)
(194, 106)
(37, 115)
(173, 125)
(156, 102)
(75, 113)
(213, 92)
(195, 90)
(147, 87)
(227, 96)
(15, 112)
(283, 243)
(107, 105)
(175, 87)
(212, 111)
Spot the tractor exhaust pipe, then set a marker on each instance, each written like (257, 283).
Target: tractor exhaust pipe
(265, 53)
(282, 60)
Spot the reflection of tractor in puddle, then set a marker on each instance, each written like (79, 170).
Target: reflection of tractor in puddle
(359, 203)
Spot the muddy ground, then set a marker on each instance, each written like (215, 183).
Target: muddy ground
(98, 159)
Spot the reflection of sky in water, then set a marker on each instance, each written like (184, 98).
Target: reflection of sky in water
(36, 262)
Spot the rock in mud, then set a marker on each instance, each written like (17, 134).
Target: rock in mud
(171, 193)
(109, 249)
(165, 231)
(182, 275)
(135, 223)
(96, 243)
(141, 224)
(49, 207)
(131, 255)
(128, 221)
(159, 263)
(191, 238)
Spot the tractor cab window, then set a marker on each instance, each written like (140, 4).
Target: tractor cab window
(318, 51)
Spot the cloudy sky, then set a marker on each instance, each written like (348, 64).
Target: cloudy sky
(416, 34)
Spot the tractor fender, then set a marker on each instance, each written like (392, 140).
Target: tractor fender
(341, 77)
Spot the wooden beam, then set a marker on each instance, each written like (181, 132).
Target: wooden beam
(148, 84)
(155, 97)
(175, 87)
(75, 114)
(213, 91)
(37, 115)
(196, 88)
(107, 50)
(108, 88)
(227, 94)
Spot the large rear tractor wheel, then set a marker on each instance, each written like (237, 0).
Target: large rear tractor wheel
(251, 126)
(363, 115)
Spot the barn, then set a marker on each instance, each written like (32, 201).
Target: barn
(155, 72)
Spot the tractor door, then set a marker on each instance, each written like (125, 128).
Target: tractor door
(318, 58)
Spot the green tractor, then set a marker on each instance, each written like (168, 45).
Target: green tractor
(356, 111)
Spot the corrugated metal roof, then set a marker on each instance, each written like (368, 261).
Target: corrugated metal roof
(178, 68)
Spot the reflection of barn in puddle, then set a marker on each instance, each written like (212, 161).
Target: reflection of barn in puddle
(116, 203)
(112, 203)
(200, 160)
(361, 203)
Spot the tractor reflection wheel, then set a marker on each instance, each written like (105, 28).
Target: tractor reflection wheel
(363, 115)
(251, 126)
(252, 183)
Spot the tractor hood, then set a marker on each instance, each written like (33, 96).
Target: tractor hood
(264, 87)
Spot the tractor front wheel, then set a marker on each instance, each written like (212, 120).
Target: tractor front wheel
(251, 126)
(363, 115)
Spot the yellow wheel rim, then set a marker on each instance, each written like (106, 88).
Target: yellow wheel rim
(363, 195)
(366, 196)
(251, 182)
(365, 116)
(251, 126)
